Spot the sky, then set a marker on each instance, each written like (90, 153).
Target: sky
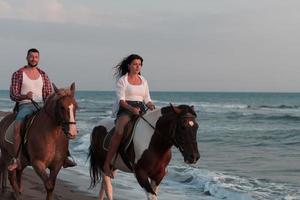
(187, 45)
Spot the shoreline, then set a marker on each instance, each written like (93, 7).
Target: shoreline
(34, 189)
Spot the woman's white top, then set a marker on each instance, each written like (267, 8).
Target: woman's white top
(128, 92)
(35, 86)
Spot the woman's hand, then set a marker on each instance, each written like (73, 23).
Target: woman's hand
(135, 111)
(150, 105)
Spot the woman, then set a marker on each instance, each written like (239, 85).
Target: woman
(133, 95)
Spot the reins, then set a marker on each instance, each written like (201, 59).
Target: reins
(36, 105)
(141, 116)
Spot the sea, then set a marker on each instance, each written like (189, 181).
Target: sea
(249, 145)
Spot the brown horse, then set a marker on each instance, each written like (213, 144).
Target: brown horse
(47, 140)
(149, 153)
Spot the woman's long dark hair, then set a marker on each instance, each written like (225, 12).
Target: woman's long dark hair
(122, 68)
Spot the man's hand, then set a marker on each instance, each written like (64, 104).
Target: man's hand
(29, 95)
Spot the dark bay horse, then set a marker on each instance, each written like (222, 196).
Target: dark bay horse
(149, 153)
(47, 140)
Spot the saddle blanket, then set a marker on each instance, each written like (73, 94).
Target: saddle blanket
(9, 134)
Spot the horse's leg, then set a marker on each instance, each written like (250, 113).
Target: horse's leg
(4, 179)
(13, 182)
(40, 169)
(51, 181)
(155, 189)
(19, 179)
(107, 187)
(3, 173)
(1, 177)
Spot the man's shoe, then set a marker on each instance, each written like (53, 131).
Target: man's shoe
(69, 163)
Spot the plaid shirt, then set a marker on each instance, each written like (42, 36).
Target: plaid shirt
(17, 80)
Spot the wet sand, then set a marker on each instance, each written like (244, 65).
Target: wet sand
(34, 189)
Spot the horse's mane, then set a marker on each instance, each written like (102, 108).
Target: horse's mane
(59, 94)
(64, 92)
(184, 110)
(187, 109)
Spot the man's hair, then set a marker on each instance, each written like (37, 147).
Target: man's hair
(32, 50)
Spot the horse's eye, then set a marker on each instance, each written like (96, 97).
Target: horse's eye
(62, 108)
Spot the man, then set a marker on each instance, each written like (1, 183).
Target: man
(29, 82)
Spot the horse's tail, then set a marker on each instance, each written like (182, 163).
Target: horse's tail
(94, 154)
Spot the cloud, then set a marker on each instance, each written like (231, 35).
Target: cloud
(93, 13)
(34, 10)
(46, 11)
(4, 7)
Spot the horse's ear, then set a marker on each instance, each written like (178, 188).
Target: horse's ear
(175, 109)
(72, 88)
(192, 107)
(55, 88)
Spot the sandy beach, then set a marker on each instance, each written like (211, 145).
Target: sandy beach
(34, 189)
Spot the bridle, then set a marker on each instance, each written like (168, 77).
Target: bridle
(61, 121)
(175, 127)
(57, 117)
(171, 137)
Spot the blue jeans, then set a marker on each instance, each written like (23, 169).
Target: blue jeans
(25, 110)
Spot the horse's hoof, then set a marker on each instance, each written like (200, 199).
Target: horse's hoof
(69, 163)
(4, 189)
(16, 196)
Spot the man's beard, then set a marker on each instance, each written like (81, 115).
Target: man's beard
(30, 65)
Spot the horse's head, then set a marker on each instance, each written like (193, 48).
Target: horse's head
(62, 105)
(183, 132)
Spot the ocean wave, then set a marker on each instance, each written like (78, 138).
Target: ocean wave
(5, 99)
(268, 116)
(280, 106)
(276, 117)
(95, 101)
(223, 105)
(202, 183)
(244, 106)
(223, 186)
(193, 183)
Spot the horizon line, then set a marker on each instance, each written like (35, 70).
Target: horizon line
(181, 91)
